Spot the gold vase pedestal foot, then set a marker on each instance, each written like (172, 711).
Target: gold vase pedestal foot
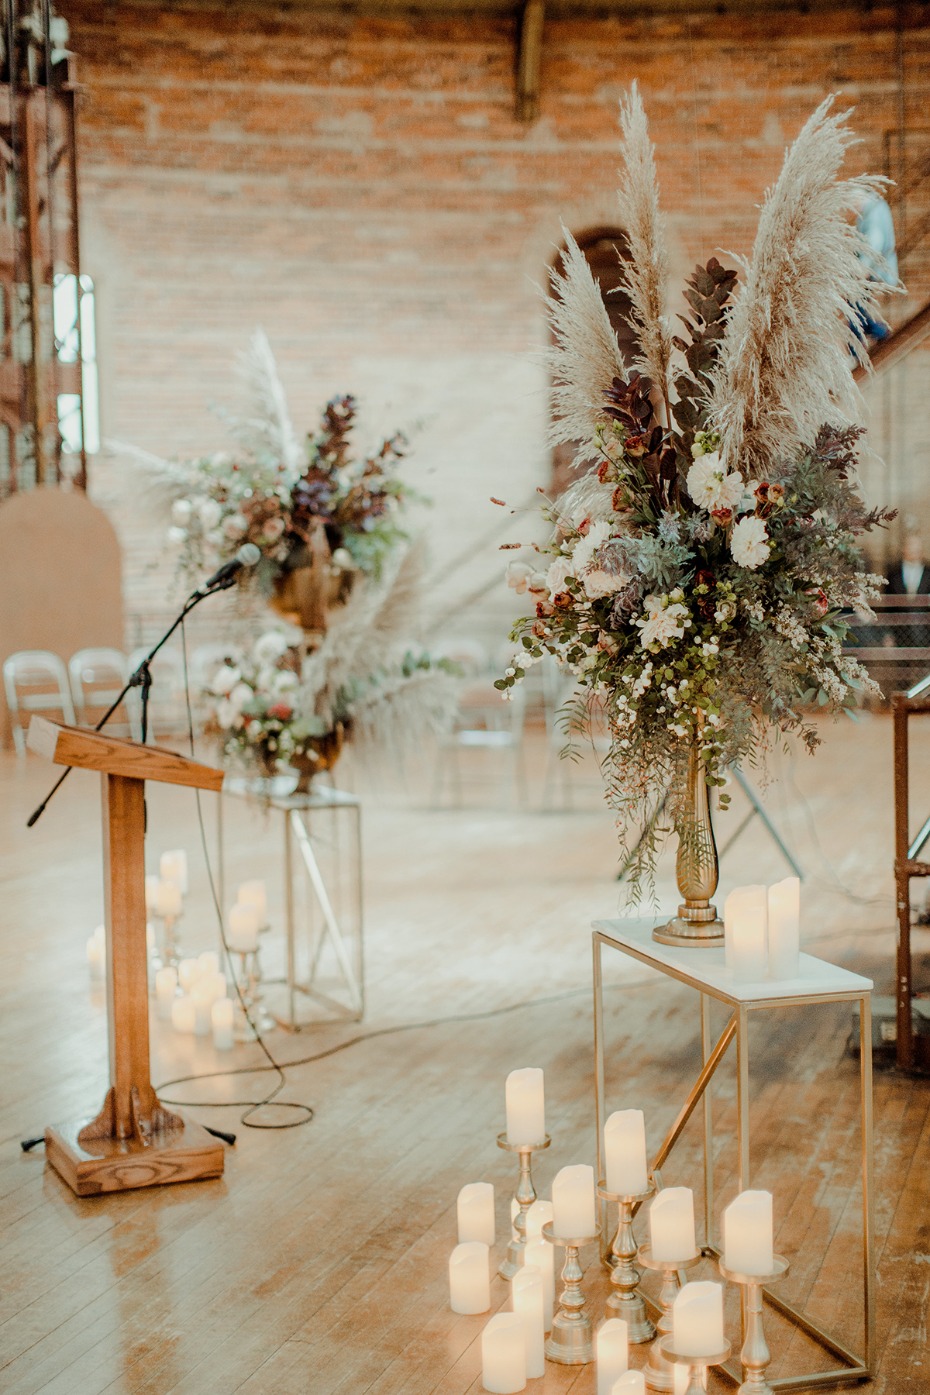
(697, 1365)
(697, 924)
(571, 1341)
(755, 1355)
(524, 1196)
(625, 1299)
(659, 1371)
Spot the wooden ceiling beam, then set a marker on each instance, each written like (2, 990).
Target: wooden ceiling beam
(529, 58)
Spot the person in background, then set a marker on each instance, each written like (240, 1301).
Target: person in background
(875, 223)
(911, 577)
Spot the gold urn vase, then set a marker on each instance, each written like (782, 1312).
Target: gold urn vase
(321, 754)
(697, 923)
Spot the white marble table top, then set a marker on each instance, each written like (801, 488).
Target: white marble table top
(705, 969)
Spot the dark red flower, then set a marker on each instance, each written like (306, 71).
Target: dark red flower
(281, 711)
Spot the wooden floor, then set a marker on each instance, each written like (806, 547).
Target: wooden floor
(318, 1263)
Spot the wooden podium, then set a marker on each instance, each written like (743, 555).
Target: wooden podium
(134, 1140)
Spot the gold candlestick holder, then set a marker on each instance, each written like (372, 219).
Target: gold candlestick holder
(252, 1015)
(524, 1196)
(754, 1353)
(625, 1300)
(170, 940)
(571, 1341)
(658, 1372)
(697, 1365)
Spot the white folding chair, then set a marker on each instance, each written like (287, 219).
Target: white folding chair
(35, 680)
(484, 721)
(98, 676)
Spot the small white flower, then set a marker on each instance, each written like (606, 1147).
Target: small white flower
(181, 511)
(224, 680)
(749, 543)
(343, 559)
(509, 672)
(235, 525)
(585, 548)
(270, 646)
(662, 623)
(227, 715)
(284, 681)
(557, 575)
(711, 487)
(177, 536)
(210, 514)
(239, 696)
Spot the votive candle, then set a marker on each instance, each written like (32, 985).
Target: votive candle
(221, 1021)
(188, 973)
(168, 900)
(748, 1245)
(470, 1278)
(166, 987)
(525, 1100)
(573, 1202)
(697, 1319)
(745, 915)
(527, 1294)
(539, 1214)
(612, 1353)
(784, 914)
(173, 868)
(202, 998)
(183, 1015)
(540, 1255)
(475, 1212)
(671, 1225)
(631, 1383)
(151, 893)
(503, 1354)
(254, 894)
(243, 929)
(625, 1152)
(208, 962)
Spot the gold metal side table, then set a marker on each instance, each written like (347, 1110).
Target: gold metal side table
(329, 935)
(705, 971)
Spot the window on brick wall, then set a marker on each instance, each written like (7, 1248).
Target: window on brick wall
(76, 343)
(604, 249)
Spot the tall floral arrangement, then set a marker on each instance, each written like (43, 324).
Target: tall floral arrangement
(699, 565)
(299, 501)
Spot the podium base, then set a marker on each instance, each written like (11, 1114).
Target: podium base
(185, 1154)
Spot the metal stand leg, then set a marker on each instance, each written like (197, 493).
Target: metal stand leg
(757, 810)
(331, 925)
(706, 1039)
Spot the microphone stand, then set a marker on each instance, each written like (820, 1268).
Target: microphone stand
(141, 679)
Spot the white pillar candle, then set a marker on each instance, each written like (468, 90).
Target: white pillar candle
(475, 1212)
(681, 1379)
(173, 868)
(151, 891)
(183, 1015)
(539, 1214)
(188, 973)
(612, 1353)
(697, 1319)
(503, 1354)
(168, 900)
(631, 1383)
(243, 929)
(209, 962)
(625, 1152)
(217, 985)
(573, 1202)
(745, 915)
(97, 953)
(671, 1224)
(254, 894)
(784, 908)
(527, 1293)
(470, 1278)
(221, 1021)
(525, 1100)
(202, 998)
(747, 1234)
(166, 987)
(539, 1254)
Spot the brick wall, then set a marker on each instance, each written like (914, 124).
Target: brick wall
(359, 187)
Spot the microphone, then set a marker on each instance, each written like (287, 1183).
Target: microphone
(248, 556)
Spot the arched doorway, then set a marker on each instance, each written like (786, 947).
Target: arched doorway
(604, 249)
